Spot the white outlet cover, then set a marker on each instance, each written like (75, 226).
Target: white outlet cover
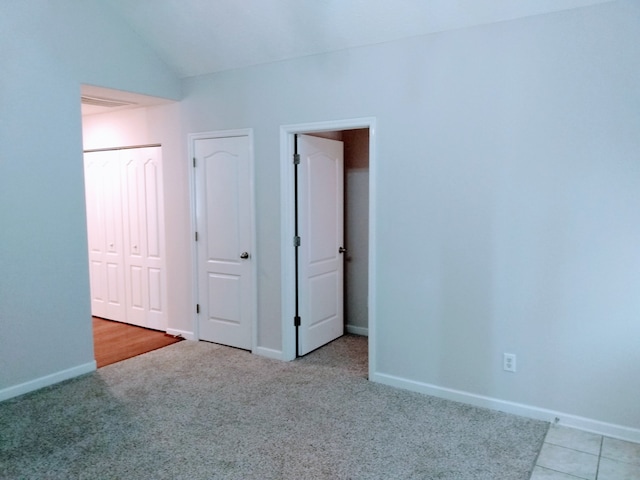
(509, 362)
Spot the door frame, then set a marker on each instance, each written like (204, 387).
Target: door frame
(192, 138)
(287, 227)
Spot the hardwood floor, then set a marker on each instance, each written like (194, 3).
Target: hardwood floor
(116, 341)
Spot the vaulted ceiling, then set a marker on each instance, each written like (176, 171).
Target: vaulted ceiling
(196, 37)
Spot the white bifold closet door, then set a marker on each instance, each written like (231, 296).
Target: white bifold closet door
(125, 221)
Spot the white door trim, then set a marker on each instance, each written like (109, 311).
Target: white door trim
(192, 137)
(287, 201)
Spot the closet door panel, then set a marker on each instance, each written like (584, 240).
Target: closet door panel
(133, 238)
(104, 235)
(154, 239)
(125, 229)
(144, 234)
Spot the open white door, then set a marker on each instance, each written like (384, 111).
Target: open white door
(321, 231)
(224, 224)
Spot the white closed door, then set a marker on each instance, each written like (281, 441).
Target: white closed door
(104, 233)
(144, 237)
(125, 226)
(321, 231)
(224, 222)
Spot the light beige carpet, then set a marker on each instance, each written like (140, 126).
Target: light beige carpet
(203, 411)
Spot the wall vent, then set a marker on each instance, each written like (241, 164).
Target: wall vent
(104, 102)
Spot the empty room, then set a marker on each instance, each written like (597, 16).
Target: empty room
(397, 239)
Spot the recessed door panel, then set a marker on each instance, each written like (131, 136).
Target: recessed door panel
(322, 217)
(136, 288)
(96, 268)
(322, 305)
(152, 210)
(228, 286)
(154, 280)
(223, 189)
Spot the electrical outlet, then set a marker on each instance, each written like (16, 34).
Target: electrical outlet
(509, 362)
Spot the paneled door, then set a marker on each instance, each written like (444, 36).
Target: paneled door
(125, 223)
(144, 237)
(321, 230)
(104, 234)
(224, 222)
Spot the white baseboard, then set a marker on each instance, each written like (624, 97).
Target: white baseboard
(268, 352)
(602, 428)
(364, 331)
(568, 420)
(181, 333)
(32, 385)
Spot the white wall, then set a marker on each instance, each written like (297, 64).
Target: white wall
(48, 50)
(507, 194)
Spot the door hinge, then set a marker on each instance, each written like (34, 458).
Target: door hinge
(197, 308)
(194, 162)
(296, 159)
(296, 321)
(296, 241)
(196, 236)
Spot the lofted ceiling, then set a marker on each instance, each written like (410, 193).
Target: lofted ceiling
(196, 37)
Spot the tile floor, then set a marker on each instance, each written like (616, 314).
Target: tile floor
(569, 454)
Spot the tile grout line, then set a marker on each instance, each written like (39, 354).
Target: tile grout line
(544, 440)
(563, 473)
(575, 449)
(599, 457)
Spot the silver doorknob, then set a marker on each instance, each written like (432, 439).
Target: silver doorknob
(244, 255)
(342, 250)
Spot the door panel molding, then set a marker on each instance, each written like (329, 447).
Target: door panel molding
(287, 227)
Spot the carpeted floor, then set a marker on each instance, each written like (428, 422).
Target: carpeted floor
(196, 410)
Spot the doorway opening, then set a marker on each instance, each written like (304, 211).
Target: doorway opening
(358, 138)
(125, 222)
